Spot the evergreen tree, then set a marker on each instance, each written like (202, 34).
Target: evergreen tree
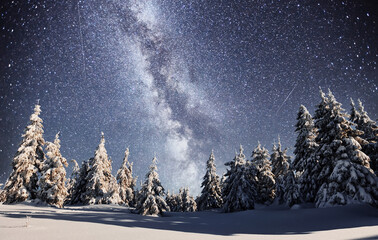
(280, 167)
(291, 191)
(151, 197)
(52, 182)
(369, 142)
(22, 183)
(239, 192)
(171, 200)
(126, 181)
(188, 202)
(101, 185)
(280, 161)
(211, 195)
(345, 175)
(80, 186)
(305, 143)
(265, 178)
(72, 180)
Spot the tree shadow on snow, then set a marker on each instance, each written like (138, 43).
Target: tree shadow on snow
(263, 221)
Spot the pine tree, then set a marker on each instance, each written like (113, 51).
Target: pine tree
(280, 161)
(126, 181)
(305, 143)
(188, 203)
(150, 199)
(71, 181)
(101, 185)
(211, 195)
(52, 182)
(345, 175)
(80, 187)
(171, 200)
(280, 167)
(265, 178)
(239, 192)
(369, 141)
(22, 183)
(291, 191)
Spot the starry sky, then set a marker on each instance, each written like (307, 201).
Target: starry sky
(178, 78)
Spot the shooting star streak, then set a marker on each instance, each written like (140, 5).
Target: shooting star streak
(287, 98)
(81, 41)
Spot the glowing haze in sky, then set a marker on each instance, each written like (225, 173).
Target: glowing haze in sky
(178, 78)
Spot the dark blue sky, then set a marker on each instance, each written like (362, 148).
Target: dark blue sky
(178, 79)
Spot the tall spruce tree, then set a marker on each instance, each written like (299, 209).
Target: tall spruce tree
(71, 181)
(369, 142)
(280, 160)
(22, 182)
(280, 167)
(79, 188)
(305, 143)
(239, 191)
(291, 193)
(102, 187)
(126, 181)
(53, 178)
(266, 185)
(211, 194)
(151, 197)
(345, 175)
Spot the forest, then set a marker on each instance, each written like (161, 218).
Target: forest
(335, 163)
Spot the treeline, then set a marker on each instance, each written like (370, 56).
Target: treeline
(335, 164)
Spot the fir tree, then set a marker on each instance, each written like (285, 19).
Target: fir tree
(265, 178)
(239, 192)
(52, 182)
(211, 191)
(280, 161)
(188, 202)
(22, 183)
(101, 185)
(305, 143)
(171, 200)
(150, 199)
(280, 167)
(345, 175)
(126, 181)
(291, 191)
(369, 142)
(72, 180)
(80, 186)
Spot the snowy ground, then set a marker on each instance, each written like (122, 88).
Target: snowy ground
(115, 222)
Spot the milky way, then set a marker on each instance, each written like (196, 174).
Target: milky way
(178, 78)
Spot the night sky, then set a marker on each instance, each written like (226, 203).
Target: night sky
(178, 78)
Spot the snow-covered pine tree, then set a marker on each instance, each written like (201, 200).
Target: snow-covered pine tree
(266, 185)
(370, 133)
(72, 180)
(171, 200)
(211, 194)
(291, 191)
(345, 175)
(22, 182)
(280, 161)
(53, 176)
(305, 144)
(102, 187)
(280, 167)
(308, 181)
(126, 181)
(80, 187)
(151, 197)
(240, 186)
(188, 202)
